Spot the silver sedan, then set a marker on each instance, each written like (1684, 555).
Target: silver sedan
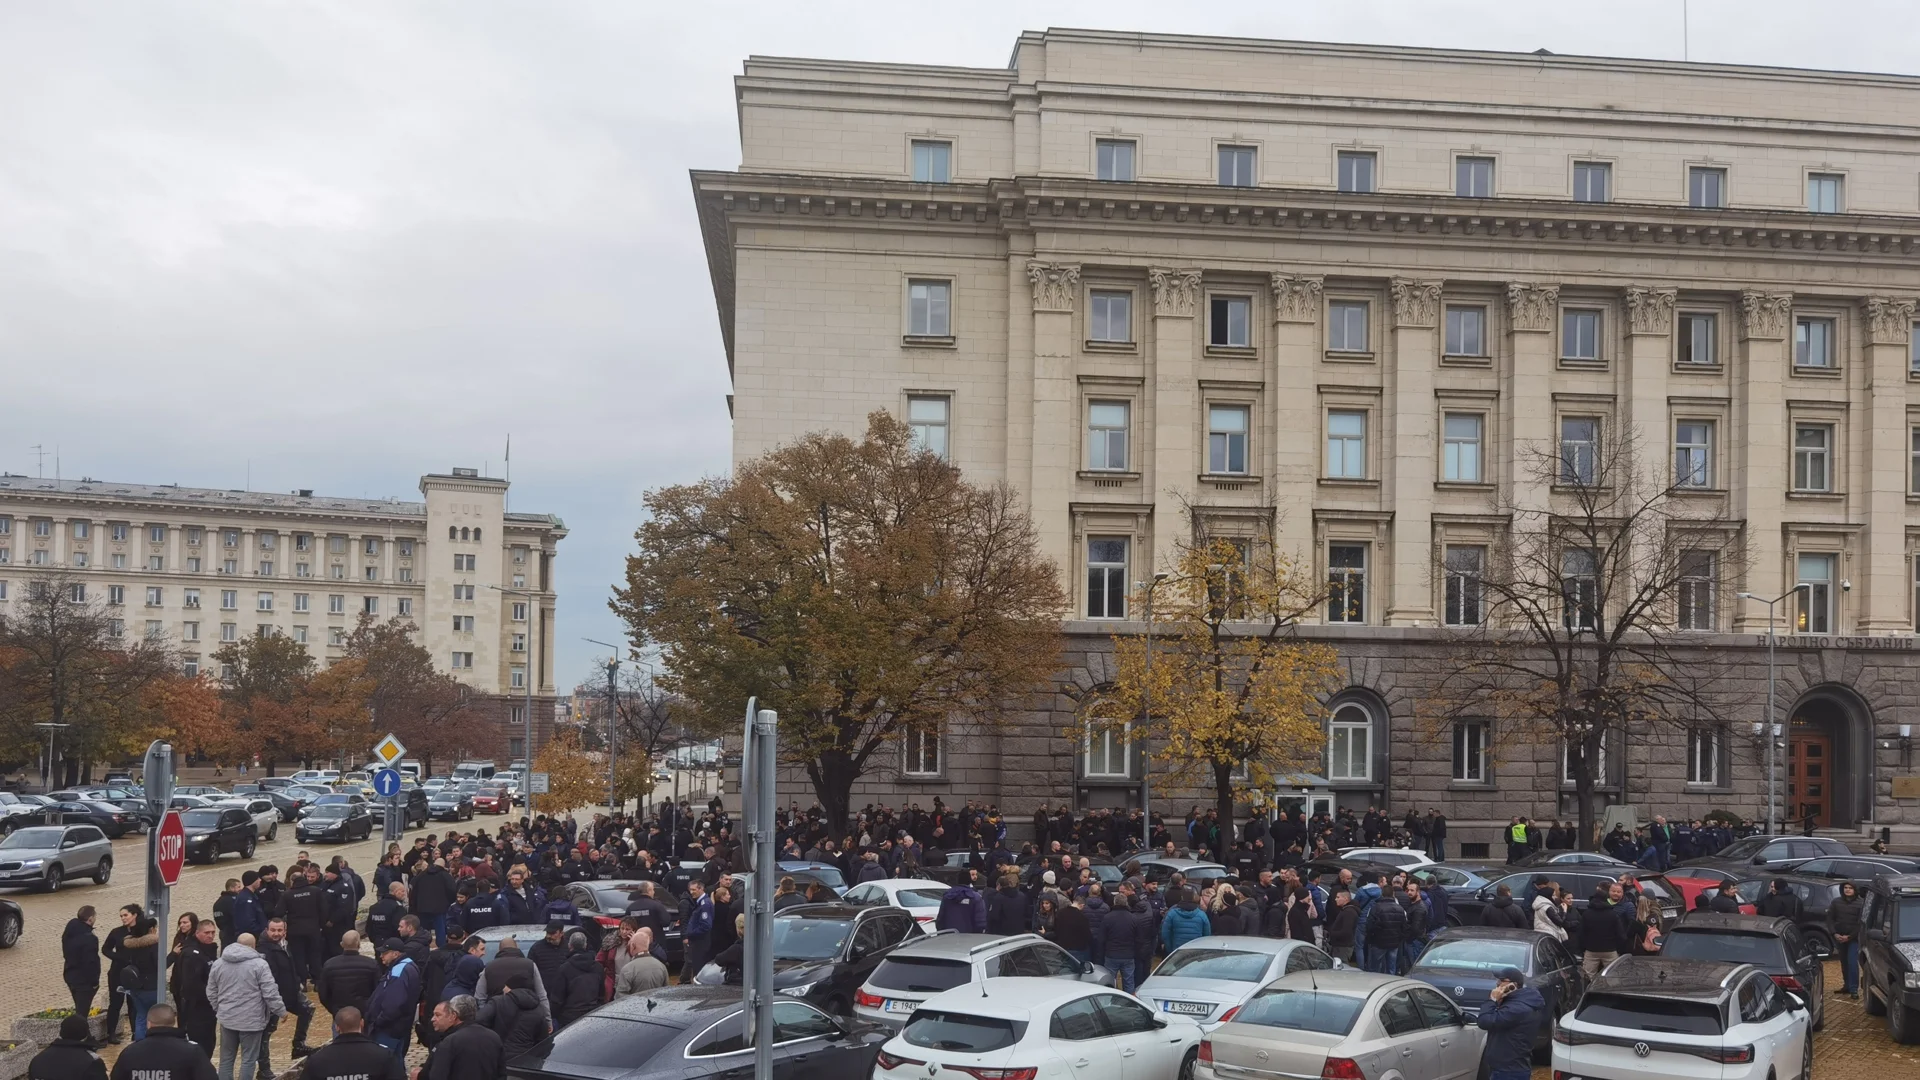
(1206, 979)
(1344, 1023)
(46, 856)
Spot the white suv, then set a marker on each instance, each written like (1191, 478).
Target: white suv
(918, 970)
(1017, 1029)
(1648, 1016)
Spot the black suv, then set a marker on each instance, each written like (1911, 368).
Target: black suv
(822, 953)
(213, 831)
(1774, 945)
(1816, 895)
(1890, 954)
(1766, 852)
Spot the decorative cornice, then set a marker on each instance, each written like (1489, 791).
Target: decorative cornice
(1764, 316)
(1889, 320)
(1296, 297)
(1415, 303)
(1649, 309)
(1055, 285)
(1531, 307)
(1176, 293)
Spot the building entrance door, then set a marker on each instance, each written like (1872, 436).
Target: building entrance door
(1809, 777)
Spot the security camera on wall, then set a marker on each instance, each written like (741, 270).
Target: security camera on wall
(1846, 585)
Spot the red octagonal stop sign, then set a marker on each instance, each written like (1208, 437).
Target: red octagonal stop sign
(170, 847)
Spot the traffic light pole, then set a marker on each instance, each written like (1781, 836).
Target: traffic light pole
(157, 773)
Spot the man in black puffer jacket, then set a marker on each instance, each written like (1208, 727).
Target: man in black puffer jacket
(1503, 912)
(1386, 933)
(583, 981)
(1603, 928)
(164, 1052)
(1007, 908)
(68, 1057)
(81, 970)
(517, 1017)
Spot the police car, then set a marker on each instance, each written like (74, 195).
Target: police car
(1890, 954)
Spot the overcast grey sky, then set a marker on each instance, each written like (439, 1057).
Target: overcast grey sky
(339, 245)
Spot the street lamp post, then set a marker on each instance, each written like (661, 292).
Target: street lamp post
(53, 732)
(1146, 723)
(527, 776)
(613, 722)
(1772, 726)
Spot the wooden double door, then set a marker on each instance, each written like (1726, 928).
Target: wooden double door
(1809, 778)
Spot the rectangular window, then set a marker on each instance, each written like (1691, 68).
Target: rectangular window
(1227, 440)
(406, 549)
(229, 631)
(1110, 319)
(1571, 754)
(371, 573)
(1107, 435)
(464, 564)
(371, 546)
(1703, 756)
(1698, 594)
(1592, 181)
(338, 572)
(155, 629)
(929, 313)
(520, 612)
(303, 541)
(157, 534)
(405, 607)
(1826, 193)
(927, 418)
(266, 567)
(336, 636)
(304, 570)
(1812, 454)
(229, 600)
(80, 558)
(189, 631)
(519, 643)
(116, 627)
(1106, 577)
(463, 624)
(1347, 444)
(3, 590)
(370, 605)
(119, 559)
(155, 596)
(463, 592)
(1470, 752)
(1814, 614)
(301, 601)
(1350, 746)
(1236, 166)
(922, 751)
(1579, 449)
(1113, 159)
(41, 558)
(230, 538)
(1913, 470)
(6, 526)
(1229, 322)
(1697, 333)
(1107, 750)
(1693, 453)
(517, 677)
(263, 601)
(1580, 335)
(230, 567)
(117, 532)
(116, 595)
(519, 554)
(1460, 453)
(1347, 583)
(1813, 343)
(196, 535)
(81, 529)
(336, 604)
(1579, 589)
(337, 545)
(405, 573)
(1465, 603)
(156, 562)
(932, 161)
(1466, 331)
(1706, 188)
(1356, 171)
(1347, 326)
(462, 661)
(300, 634)
(193, 598)
(1473, 177)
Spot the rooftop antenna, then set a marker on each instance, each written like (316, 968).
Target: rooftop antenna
(40, 451)
(1686, 26)
(506, 500)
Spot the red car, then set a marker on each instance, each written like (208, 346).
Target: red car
(1692, 887)
(492, 800)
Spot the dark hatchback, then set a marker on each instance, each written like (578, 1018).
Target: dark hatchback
(1458, 881)
(1580, 879)
(687, 1032)
(335, 821)
(605, 902)
(1463, 962)
(822, 953)
(1816, 895)
(215, 831)
(1775, 946)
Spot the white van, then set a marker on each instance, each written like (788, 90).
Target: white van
(473, 770)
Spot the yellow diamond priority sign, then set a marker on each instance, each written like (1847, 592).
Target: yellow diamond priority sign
(389, 750)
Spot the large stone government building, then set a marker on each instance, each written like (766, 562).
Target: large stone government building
(1335, 290)
(198, 567)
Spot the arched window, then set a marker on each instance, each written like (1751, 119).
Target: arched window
(1350, 744)
(463, 534)
(453, 533)
(476, 534)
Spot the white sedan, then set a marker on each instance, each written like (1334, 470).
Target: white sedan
(1040, 1029)
(919, 896)
(1405, 858)
(266, 816)
(1208, 979)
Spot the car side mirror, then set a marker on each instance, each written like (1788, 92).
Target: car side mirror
(69, 843)
(1759, 860)
(1876, 935)
(1086, 967)
(1796, 1003)
(1159, 1023)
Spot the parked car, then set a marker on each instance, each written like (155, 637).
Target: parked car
(1654, 1016)
(696, 1032)
(201, 789)
(449, 804)
(605, 903)
(287, 801)
(1816, 895)
(523, 934)
(920, 897)
(823, 952)
(1207, 980)
(12, 921)
(1344, 1023)
(433, 784)
(493, 799)
(115, 821)
(275, 783)
(45, 857)
(918, 970)
(1859, 869)
(413, 807)
(1458, 881)
(1890, 955)
(335, 821)
(1462, 961)
(333, 799)
(1768, 852)
(266, 817)
(1016, 1029)
(1404, 858)
(1560, 858)
(1774, 945)
(1691, 887)
(324, 776)
(1580, 879)
(1160, 869)
(217, 830)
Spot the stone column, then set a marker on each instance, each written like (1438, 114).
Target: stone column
(1407, 438)
(1177, 431)
(1020, 379)
(1056, 424)
(1885, 475)
(1296, 411)
(1762, 453)
(1649, 362)
(1527, 407)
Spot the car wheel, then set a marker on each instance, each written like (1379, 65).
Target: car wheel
(838, 1007)
(1818, 1010)
(103, 872)
(9, 931)
(55, 878)
(1820, 942)
(1903, 1024)
(1806, 1059)
(1870, 1001)
(273, 832)
(1186, 1064)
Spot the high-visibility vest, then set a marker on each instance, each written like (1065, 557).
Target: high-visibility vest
(1518, 833)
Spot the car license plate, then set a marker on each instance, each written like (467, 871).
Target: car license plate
(901, 1006)
(1187, 1008)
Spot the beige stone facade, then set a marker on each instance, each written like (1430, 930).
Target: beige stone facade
(1345, 289)
(197, 567)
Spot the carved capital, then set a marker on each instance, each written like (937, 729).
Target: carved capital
(1055, 285)
(1649, 309)
(1415, 303)
(1176, 293)
(1531, 307)
(1296, 298)
(1889, 320)
(1765, 315)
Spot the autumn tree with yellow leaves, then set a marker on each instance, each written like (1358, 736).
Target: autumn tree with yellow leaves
(1229, 683)
(573, 779)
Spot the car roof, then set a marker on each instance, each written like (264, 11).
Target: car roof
(1245, 943)
(1014, 997)
(1350, 981)
(1726, 922)
(1801, 879)
(520, 931)
(953, 946)
(1892, 884)
(678, 1005)
(1668, 978)
(1493, 933)
(824, 911)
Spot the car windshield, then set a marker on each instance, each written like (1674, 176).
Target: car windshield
(1234, 965)
(1762, 949)
(809, 939)
(1302, 1010)
(602, 1043)
(1906, 919)
(331, 810)
(1476, 955)
(1666, 1015)
(1662, 891)
(23, 839)
(918, 898)
(201, 819)
(828, 876)
(961, 1032)
(920, 974)
(1742, 849)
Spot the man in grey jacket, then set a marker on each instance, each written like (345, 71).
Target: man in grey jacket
(245, 1000)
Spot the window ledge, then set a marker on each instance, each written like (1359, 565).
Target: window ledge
(1228, 478)
(1810, 371)
(1470, 785)
(1111, 346)
(1348, 481)
(1349, 356)
(1464, 485)
(1233, 352)
(1106, 474)
(1456, 360)
(922, 778)
(915, 341)
(1563, 488)
(1575, 363)
(1817, 496)
(1700, 492)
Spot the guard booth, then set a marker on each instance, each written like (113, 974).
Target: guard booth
(1309, 793)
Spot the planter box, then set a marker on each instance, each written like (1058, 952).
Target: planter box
(14, 1062)
(45, 1031)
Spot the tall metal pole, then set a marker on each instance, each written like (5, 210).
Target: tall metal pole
(1771, 714)
(756, 790)
(157, 771)
(1146, 725)
(613, 735)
